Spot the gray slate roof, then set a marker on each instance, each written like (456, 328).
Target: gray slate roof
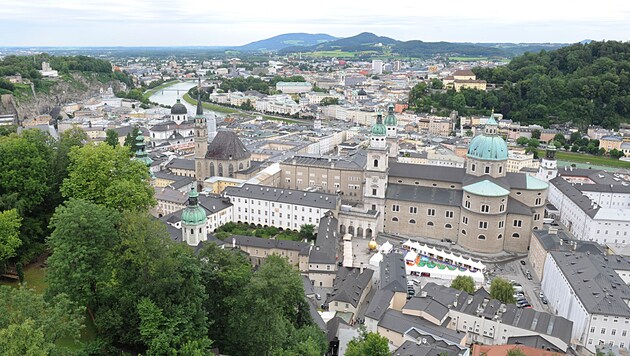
(412, 348)
(598, 286)
(401, 323)
(379, 304)
(516, 207)
(576, 196)
(181, 163)
(287, 196)
(420, 171)
(560, 241)
(427, 305)
(354, 161)
(326, 244)
(420, 194)
(226, 145)
(349, 285)
(393, 276)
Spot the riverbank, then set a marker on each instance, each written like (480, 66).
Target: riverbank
(147, 94)
(228, 110)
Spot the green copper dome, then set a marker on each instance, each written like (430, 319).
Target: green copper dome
(390, 119)
(491, 148)
(379, 129)
(193, 214)
(488, 146)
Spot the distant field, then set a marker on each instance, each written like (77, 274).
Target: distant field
(586, 158)
(468, 59)
(331, 54)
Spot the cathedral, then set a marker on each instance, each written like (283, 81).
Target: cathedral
(480, 207)
(222, 155)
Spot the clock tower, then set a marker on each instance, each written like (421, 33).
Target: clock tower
(376, 171)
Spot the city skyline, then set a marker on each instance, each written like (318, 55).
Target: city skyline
(197, 23)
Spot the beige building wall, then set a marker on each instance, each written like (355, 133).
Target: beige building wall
(413, 219)
(328, 179)
(537, 256)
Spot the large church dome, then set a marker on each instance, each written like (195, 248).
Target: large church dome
(489, 145)
(178, 109)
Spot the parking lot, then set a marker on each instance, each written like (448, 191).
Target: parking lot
(516, 271)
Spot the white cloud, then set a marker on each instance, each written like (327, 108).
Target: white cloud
(162, 22)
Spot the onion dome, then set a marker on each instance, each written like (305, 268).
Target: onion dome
(178, 109)
(379, 129)
(193, 214)
(390, 119)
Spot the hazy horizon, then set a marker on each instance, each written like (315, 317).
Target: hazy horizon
(161, 23)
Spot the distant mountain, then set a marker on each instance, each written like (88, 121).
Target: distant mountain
(366, 41)
(286, 40)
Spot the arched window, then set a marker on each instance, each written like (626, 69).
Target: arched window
(463, 232)
(500, 169)
(516, 235)
(501, 207)
(240, 166)
(448, 226)
(394, 219)
(467, 204)
(231, 170)
(500, 237)
(220, 166)
(192, 231)
(430, 223)
(538, 200)
(472, 168)
(375, 163)
(211, 169)
(481, 237)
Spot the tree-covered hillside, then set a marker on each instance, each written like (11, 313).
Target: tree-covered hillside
(28, 66)
(588, 84)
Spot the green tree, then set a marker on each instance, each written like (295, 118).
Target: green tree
(464, 283)
(522, 141)
(275, 295)
(502, 290)
(84, 235)
(28, 322)
(515, 352)
(536, 134)
(329, 101)
(130, 140)
(575, 136)
(147, 264)
(469, 133)
(368, 344)
(436, 84)
(10, 240)
(247, 105)
(7, 130)
(111, 138)
(104, 175)
(307, 231)
(224, 275)
(560, 138)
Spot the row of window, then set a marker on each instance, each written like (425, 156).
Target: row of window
(430, 212)
(499, 237)
(486, 169)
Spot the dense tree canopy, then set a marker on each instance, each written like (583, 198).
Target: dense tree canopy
(368, 344)
(588, 84)
(104, 175)
(30, 325)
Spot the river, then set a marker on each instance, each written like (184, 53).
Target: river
(170, 94)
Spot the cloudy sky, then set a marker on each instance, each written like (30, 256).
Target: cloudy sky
(216, 22)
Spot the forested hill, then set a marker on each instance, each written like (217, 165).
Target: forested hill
(586, 83)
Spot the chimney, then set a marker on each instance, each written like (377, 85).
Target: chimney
(362, 267)
(553, 231)
(233, 243)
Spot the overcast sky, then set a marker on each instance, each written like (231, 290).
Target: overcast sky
(219, 22)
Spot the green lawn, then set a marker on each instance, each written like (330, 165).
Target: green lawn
(150, 92)
(587, 158)
(35, 278)
(228, 110)
(331, 54)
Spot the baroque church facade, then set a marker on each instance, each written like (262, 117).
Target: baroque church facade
(221, 154)
(480, 207)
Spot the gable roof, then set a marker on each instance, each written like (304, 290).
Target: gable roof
(349, 285)
(227, 146)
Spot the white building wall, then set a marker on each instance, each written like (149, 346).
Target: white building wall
(610, 200)
(608, 330)
(563, 300)
(280, 215)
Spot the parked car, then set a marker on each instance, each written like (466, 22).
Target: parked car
(541, 295)
(523, 262)
(544, 300)
(317, 296)
(529, 277)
